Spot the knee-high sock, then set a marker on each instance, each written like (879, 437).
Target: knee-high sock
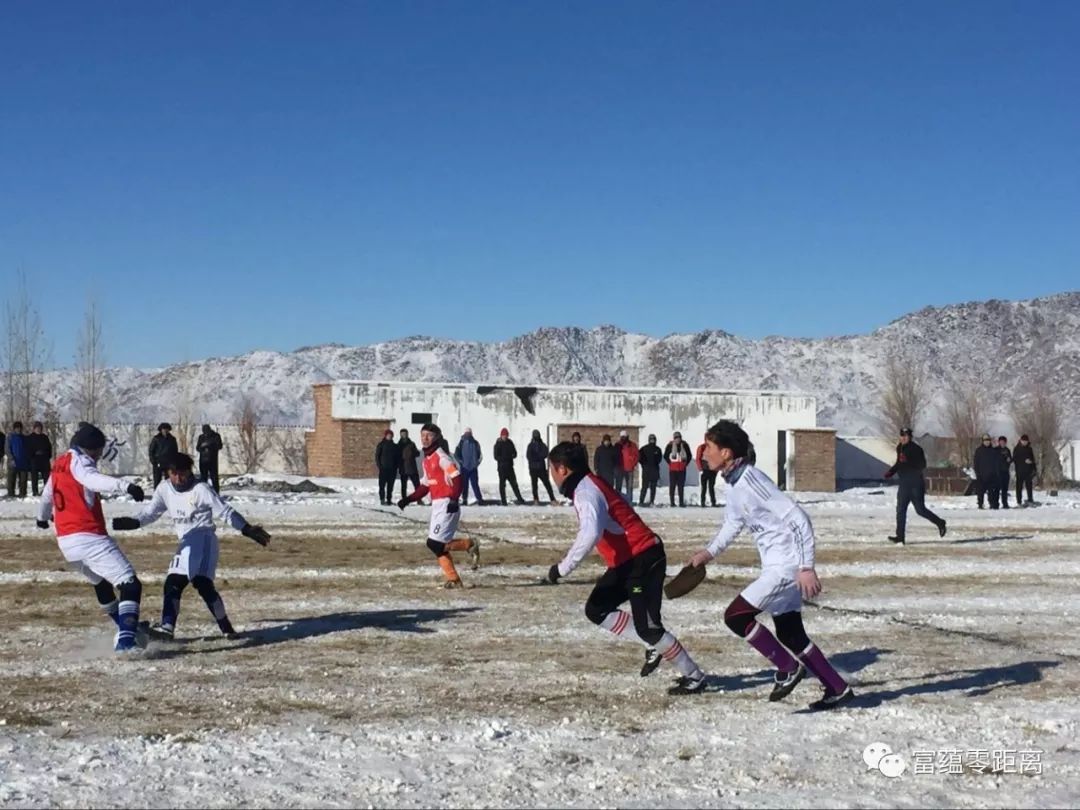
(765, 643)
(446, 563)
(619, 623)
(110, 605)
(674, 652)
(819, 665)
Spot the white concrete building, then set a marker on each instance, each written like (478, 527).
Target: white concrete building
(351, 415)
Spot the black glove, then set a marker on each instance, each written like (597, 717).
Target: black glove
(125, 524)
(453, 508)
(256, 533)
(552, 577)
(136, 493)
(43, 524)
(402, 504)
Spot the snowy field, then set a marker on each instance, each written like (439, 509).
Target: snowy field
(358, 683)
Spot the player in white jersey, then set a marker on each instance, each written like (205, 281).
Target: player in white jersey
(785, 541)
(192, 505)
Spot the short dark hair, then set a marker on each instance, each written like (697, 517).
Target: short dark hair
(431, 427)
(1003, 438)
(726, 433)
(39, 425)
(570, 455)
(16, 425)
(1025, 438)
(179, 462)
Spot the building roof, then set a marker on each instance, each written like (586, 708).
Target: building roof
(591, 388)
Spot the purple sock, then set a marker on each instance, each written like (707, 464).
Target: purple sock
(818, 664)
(765, 643)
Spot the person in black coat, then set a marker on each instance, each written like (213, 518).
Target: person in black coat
(649, 457)
(40, 456)
(987, 464)
(909, 466)
(162, 448)
(536, 454)
(505, 452)
(208, 447)
(409, 469)
(388, 463)
(606, 458)
(1024, 460)
(1003, 470)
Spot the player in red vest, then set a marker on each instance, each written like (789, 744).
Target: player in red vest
(443, 480)
(72, 500)
(636, 564)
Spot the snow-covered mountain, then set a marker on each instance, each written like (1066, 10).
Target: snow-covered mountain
(1007, 344)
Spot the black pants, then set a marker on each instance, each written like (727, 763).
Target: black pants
(16, 478)
(648, 484)
(913, 492)
(624, 482)
(386, 485)
(708, 484)
(541, 476)
(1021, 483)
(405, 478)
(208, 471)
(509, 477)
(984, 487)
(158, 473)
(1003, 488)
(677, 481)
(640, 580)
(38, 471)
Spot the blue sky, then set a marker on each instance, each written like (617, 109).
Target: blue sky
(232, 176)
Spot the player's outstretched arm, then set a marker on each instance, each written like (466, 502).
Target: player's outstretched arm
(45, 505)
(256, 533)
(149, 513)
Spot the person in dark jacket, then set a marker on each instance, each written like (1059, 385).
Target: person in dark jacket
(208, 446)
(909, 466)
(40, 448)
(1024, 461)
(1003, 470)
(3, 448)
(162, 448)
(505, 452)
(388, 463)
(606, 459)
(18, 459)
(649, 457)
(708, 477)
(987, 464)
(468, 456)
(408, 471)
(677, 455)
(536, 454)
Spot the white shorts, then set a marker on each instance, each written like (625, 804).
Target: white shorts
(96, 557)
(443, 525)
(775, 591)
(197, 555)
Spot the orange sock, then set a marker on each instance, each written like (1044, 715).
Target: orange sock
(460, 544)
(448, 569)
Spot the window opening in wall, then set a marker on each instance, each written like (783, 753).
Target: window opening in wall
(422, 418)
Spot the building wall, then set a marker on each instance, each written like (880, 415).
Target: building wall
(862, 460)
(456, 406)
(812, 460)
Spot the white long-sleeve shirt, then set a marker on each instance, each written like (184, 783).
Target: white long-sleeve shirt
(781, 528)
(84, 470)
(193, 510)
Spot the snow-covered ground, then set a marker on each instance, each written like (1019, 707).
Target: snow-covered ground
(360, 684)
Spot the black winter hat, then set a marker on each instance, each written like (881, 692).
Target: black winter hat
(88, 437)
(164, 426)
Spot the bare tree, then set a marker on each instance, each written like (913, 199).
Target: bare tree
(25, 352)
(289, 444)
(185, 429)
(965, 418)
(903, 392)
(90, 367)
(252, 445)
(1039, 414)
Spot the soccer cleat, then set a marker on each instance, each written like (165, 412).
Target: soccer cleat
(785, 682)
(689, 684)
(652, 661)
(451, 584)
(161, 632)
(832, 700)
(941, 529)
(474, 553)
(898, 540)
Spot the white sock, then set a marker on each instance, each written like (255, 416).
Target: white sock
(674, 652)
(621, 624)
